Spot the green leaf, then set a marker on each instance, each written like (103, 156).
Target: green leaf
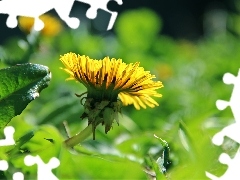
(19, 85)
(21, 141)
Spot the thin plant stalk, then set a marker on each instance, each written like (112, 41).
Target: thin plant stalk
(78, 138)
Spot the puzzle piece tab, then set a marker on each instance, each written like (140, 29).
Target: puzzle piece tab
(36, 8)
(232, 172)
(235, 97)
(101, 4)
(3, 165)
(232, 131)
(18, 176)
(44, 170)
(8, 141)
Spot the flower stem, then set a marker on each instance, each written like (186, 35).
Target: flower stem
(76, 139)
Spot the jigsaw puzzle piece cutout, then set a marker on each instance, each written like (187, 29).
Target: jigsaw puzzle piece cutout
(232, 131)
(211, 176)
(63, 10)
(18, 176)
(233, 167)
(3, 165)
(221, 104)
(29, 8)
(114, 5)
(36, 8)
(44, 170)
(235, 98)
(229, 78)
(114, 12)
(8, 133)
(101, 4)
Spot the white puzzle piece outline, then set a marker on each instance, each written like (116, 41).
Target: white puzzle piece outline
(9, 140)
(101, 4)
(18, 176)
(36, 8)
(44, 170)
(233, 167)
(3, 165)
(232, 131)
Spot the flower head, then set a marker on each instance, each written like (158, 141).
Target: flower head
(107, 80)
(52, 25)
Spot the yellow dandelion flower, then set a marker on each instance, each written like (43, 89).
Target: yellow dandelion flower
(107, 80)
(52, 26)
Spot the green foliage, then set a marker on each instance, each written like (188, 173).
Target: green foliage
(20, 85)
(17, 51)
(186, 119)
(142, 32)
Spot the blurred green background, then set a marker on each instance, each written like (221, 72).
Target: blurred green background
(187, 117)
